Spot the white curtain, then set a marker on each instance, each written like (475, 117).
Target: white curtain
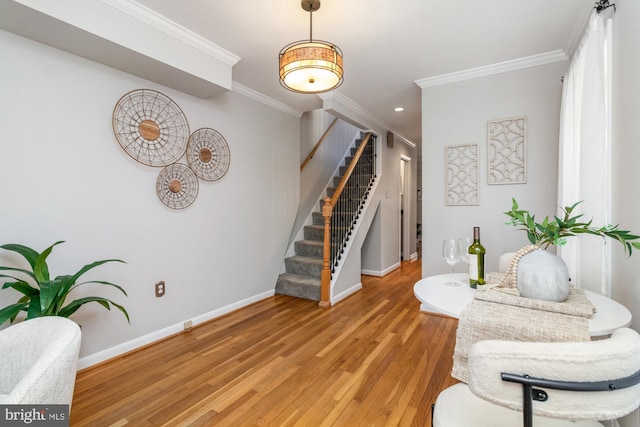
(585, 154)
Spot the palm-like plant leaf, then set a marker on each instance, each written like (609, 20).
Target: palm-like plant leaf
(553, 232)
(29, 254)
(48, 293)
(93, 265)
(34, 310)
(11, 311)
(101, 282)
(72, 280)
(22, 287)
(40, 267)
(74, 305)
(48, 296)
(21, 270)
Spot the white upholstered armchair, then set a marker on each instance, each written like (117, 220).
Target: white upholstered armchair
(38, 361)
(578, 381)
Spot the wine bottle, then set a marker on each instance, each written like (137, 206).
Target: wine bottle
(476, 260)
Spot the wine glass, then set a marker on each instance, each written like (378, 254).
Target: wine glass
(451, 254)
(464, 243)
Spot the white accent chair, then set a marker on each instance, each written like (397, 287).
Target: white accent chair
(38, 361)
(556, 382)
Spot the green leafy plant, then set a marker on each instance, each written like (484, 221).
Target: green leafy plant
(555, 231)
(46, 296)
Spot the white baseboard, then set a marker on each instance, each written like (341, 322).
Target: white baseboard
(372, 273)
(414, 256)
(381, 273)
(342, 295)
(160, 334)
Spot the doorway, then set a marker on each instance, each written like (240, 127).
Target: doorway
(405, 208)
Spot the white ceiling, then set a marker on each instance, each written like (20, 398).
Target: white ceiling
(387, 44)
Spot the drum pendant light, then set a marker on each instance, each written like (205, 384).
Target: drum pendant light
(310, 66)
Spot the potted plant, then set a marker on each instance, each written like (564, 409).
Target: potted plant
(543, 275)
(43, 296)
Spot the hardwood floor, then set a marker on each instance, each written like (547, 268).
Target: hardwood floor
(372, 360)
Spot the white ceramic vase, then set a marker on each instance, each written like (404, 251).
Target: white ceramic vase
(543, 275)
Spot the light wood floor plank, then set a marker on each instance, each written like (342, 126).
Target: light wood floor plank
(372, 360)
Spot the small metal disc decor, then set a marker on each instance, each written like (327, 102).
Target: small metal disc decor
(150, 127)
(208, 154)
(177, 186)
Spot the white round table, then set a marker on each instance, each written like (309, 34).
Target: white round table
(436, 297)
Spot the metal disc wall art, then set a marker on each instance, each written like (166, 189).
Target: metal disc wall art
(177, 186)
(150, 127)
(208, 154)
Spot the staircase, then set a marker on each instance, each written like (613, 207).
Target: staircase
(303, 270)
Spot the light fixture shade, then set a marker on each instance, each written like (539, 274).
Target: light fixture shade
(311, 66)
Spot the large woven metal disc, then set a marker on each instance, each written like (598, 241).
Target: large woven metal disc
(150, 127)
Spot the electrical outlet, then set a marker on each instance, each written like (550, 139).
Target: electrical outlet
(187, 325)
(160, 288)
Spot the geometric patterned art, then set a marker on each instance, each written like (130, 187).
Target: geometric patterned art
(506, 151)
(462, 175)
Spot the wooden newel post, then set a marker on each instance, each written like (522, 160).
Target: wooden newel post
(325, 276)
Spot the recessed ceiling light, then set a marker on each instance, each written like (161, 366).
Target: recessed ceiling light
(398, 109)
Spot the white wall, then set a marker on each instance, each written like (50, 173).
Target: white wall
(381, 257)
(66, 178)
(456, 114)
(312, 126)
(626, 151)
(372, 244)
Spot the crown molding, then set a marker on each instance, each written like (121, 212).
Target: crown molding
(356, 108)
(263, 99)
(489, 70)
(148, 16)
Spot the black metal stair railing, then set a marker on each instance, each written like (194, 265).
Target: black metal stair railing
(343, 209)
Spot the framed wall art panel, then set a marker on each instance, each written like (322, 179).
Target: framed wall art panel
(507, 151)
(461, 162)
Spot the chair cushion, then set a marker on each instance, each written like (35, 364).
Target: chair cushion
(458, 407)
(38, 361)
(600, 360)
